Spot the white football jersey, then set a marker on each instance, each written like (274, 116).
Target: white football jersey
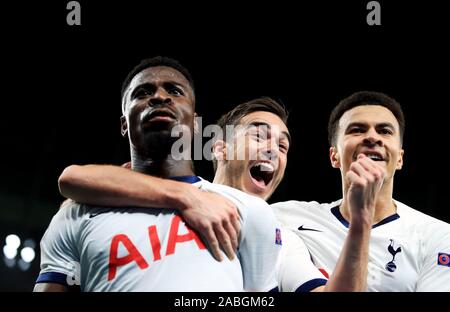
(409, 251)
(140, 249)
(296, 272)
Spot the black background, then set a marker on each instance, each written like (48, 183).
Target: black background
(61, 89)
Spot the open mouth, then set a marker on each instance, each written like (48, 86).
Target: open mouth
(262, 174)
(375, 156)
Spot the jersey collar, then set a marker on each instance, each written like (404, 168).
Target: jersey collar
(187, 179)
(335, 211)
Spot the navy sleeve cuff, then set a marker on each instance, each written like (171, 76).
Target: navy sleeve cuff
(276, 289)
(53, 277)
(57, 278)
(310, 285)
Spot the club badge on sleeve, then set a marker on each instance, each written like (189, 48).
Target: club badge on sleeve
(278, 237)
(443, 259)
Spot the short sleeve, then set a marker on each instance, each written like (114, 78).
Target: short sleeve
(435, 272)
(260, 247)
(59, 252)
(296, 271)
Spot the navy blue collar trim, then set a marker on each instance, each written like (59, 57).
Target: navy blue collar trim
(335, 211)
(386, 220)
(187, 179)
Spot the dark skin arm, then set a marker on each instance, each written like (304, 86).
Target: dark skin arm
(49, 287)
(212, 215)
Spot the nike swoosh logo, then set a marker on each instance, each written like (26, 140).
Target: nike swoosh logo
(92, 215)
(301, 228)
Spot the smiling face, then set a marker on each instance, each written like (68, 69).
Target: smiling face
(256, 155)
(157, 99)
(371, 130)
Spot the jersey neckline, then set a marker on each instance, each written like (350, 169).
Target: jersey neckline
(188, 179)
(335, 211)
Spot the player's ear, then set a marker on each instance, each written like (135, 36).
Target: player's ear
(196, 126)
(335, 157)
(400, 159)
(123, 126)
(220, 150)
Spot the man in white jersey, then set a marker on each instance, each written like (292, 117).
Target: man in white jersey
(264, 140)
(409, 250)
(135, 249)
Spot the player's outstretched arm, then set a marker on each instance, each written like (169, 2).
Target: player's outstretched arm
(49, 287)
(365, 178)
(107, 185)
(212, 215)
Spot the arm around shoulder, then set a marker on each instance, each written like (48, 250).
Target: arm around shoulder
(107, 185)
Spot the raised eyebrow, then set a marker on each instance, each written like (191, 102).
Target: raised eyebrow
(260, 123)
(257, 124)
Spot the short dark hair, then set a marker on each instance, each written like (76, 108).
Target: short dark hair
(364, 98)
(265, 104)
(154, 62)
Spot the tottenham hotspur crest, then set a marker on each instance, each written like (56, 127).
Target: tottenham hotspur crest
(390, 266)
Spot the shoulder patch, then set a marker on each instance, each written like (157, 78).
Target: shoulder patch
(278, 237)
(443, 259)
